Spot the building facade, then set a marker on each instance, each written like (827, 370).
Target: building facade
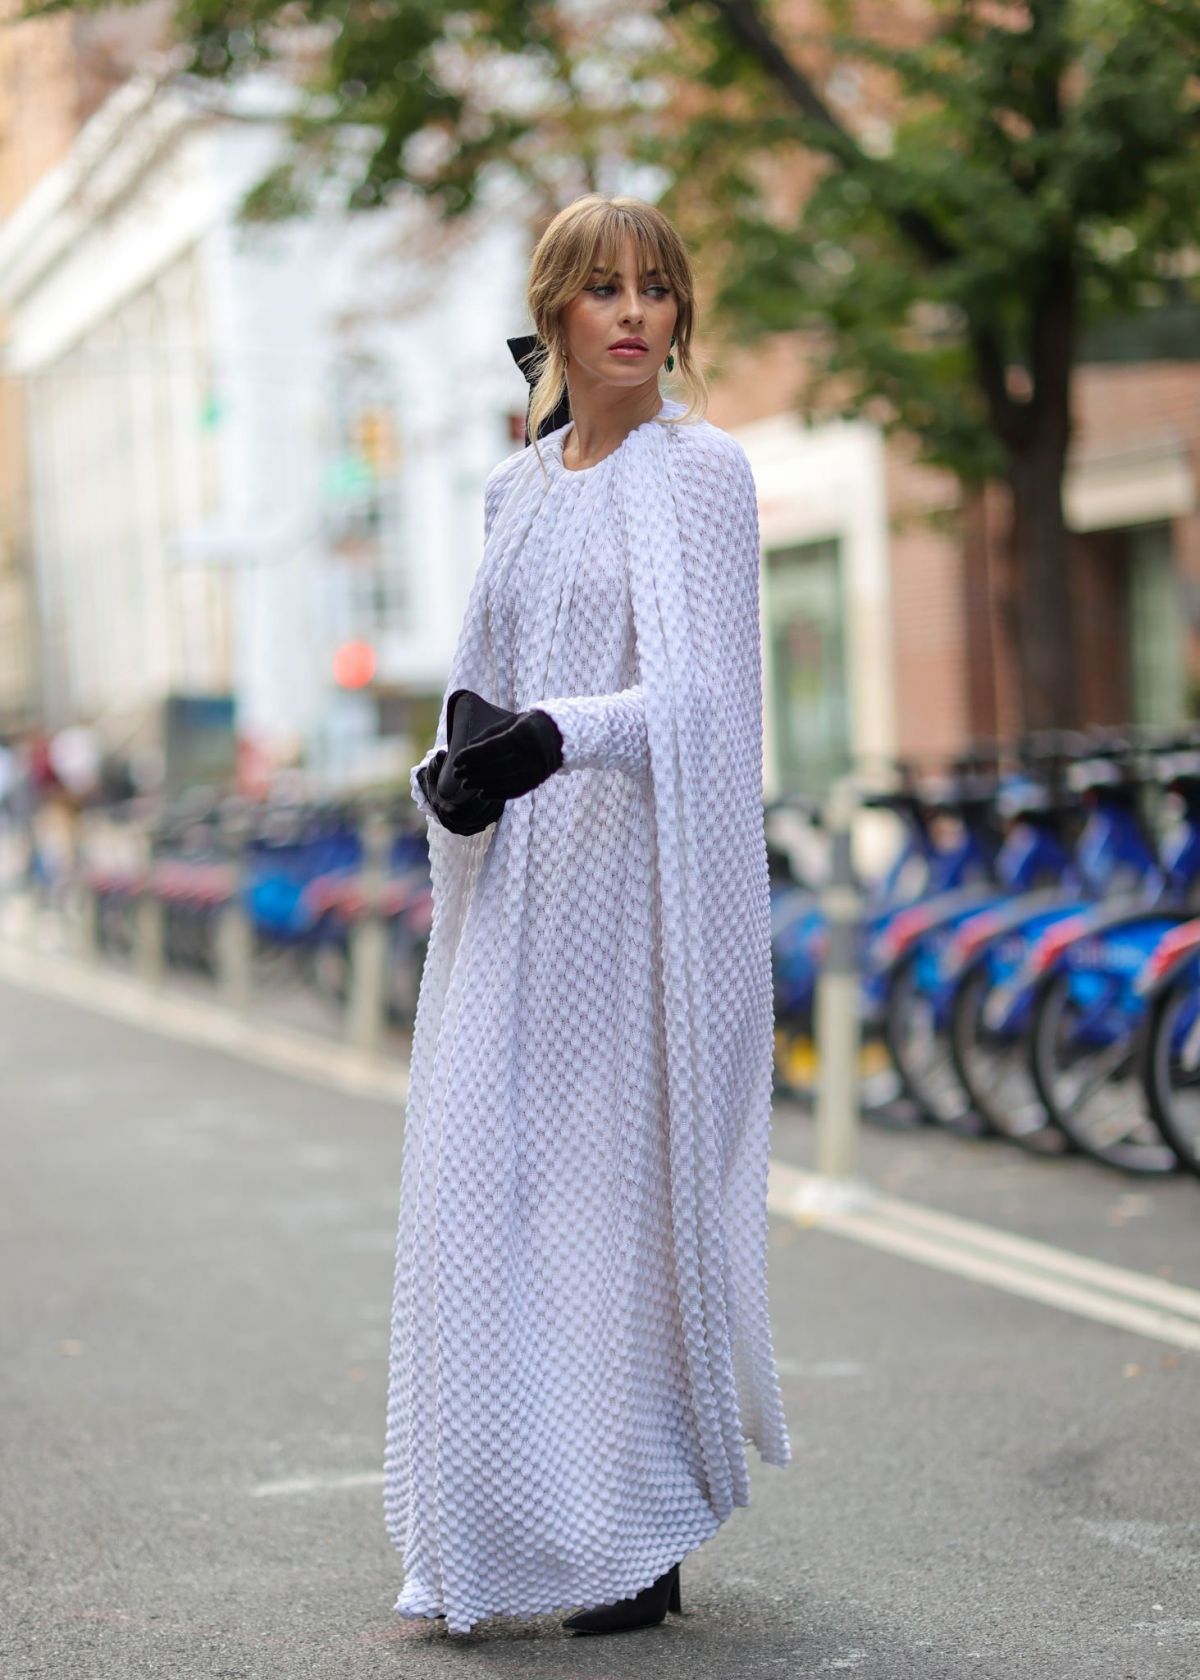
(248, 460)
(248, 446)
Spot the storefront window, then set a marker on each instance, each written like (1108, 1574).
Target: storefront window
(1156, 628)
(805, 619)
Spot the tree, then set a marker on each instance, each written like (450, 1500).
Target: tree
(1042, 173)
(941, 206)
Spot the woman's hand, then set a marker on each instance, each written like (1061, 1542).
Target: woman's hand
(513, 758)
(470, 815)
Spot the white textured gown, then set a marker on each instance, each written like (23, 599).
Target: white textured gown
(580, 1343)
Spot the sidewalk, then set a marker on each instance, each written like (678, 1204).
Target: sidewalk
(195, 1294)
(31, 929)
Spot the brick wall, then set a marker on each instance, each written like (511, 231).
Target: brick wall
(956, 675)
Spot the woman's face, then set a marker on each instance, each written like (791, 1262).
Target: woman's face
(617, 306)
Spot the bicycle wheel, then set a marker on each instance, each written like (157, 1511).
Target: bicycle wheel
(920, 1049)
(1088, 1081)
(995, 1072)
(879, 1088)
(1169, 1064)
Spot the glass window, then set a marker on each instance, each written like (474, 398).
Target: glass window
(806, 630)
(1156, 628)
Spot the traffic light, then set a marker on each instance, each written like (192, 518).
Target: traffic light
(353, 664)
(375, 439)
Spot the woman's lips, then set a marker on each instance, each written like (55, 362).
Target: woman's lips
(627, 350)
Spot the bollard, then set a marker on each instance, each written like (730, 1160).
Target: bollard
(367, 994)
(837, 1029)
(86, 898)
(234, 932)
(88, 941)
(148, 916)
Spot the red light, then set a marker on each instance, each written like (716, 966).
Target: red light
(354, 665)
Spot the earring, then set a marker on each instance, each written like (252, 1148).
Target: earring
(670, 358)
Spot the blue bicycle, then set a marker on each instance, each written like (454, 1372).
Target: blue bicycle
(1089, 1006)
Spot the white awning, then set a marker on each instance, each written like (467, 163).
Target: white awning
(1146, 481)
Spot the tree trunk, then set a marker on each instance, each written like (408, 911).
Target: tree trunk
(1040, 553)
(1041, 566)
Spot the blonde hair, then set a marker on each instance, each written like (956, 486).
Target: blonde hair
(591, 230)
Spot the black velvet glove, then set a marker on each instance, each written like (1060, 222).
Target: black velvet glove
(459, 811)
(510, 759)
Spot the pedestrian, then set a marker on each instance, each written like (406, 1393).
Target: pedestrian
(10, 793)
(580, 1344)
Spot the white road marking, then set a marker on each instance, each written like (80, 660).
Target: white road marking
(1148, 1306)
(819, 1368)
(1130, 1300)
(1172, 1542)
(1042, 1256)
(318, 1484)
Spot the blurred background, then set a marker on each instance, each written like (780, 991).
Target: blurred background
(258, 270)
(260, 261)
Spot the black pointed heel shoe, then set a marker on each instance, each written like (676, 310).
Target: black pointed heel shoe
(644, 1609)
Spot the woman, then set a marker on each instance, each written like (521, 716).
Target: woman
(580, 1341)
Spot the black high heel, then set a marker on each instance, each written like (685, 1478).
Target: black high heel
(644, 1609)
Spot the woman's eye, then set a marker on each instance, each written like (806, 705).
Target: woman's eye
(598, 289)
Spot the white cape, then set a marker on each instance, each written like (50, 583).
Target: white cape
(681, 490)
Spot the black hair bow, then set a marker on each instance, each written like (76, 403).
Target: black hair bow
(530, 365)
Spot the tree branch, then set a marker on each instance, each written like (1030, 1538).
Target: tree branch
(749, 28)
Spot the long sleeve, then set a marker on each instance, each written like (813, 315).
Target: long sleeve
(602, 731)
(471, 666)
(419, 799)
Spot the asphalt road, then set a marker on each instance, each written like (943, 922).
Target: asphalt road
(194, 1299)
